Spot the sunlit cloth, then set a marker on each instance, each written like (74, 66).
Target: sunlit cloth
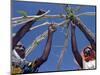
(89, 65)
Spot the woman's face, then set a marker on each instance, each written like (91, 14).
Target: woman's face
(87, 52)
(20, 50)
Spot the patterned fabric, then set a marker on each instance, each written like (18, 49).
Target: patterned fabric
(16, 70)
(18, 59)
(29, 68)
(24, 68)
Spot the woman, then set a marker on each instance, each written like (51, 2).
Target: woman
(87, 59)
(30, 67)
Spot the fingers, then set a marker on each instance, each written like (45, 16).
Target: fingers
(40, 12)
(73, 25)
(52, 28)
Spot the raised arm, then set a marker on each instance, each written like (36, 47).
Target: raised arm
(77, 55)
(23, 30)
(89, 35)
(47, 48)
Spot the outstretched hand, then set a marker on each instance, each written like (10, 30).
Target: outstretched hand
(52, 28)
(73, 25)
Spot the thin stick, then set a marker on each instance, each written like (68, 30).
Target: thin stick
(86, 14)
(46, 16)
(43, 24)
(40, 38)
(63, 50)
(36, 42)
(21, 20)
(16, 21)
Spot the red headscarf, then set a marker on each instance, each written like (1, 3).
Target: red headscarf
(92, 55)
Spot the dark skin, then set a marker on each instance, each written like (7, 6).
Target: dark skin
(90, 38)
(75, 51)
(23, 30)
(77, 55)
(38, 62)
(47, 48)
(20, 49)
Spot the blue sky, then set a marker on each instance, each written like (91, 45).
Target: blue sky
(68, 61)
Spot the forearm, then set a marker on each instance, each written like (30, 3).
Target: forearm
(73, 39)
(46, 51)
(75, 49)
(47, 46)
(89, 35)
(19, 35)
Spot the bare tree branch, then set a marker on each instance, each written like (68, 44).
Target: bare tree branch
(40, 38)
(34, 16)
(63, 50)
(36, 42)
(21, 20)
(86, 14)
(37, 26)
